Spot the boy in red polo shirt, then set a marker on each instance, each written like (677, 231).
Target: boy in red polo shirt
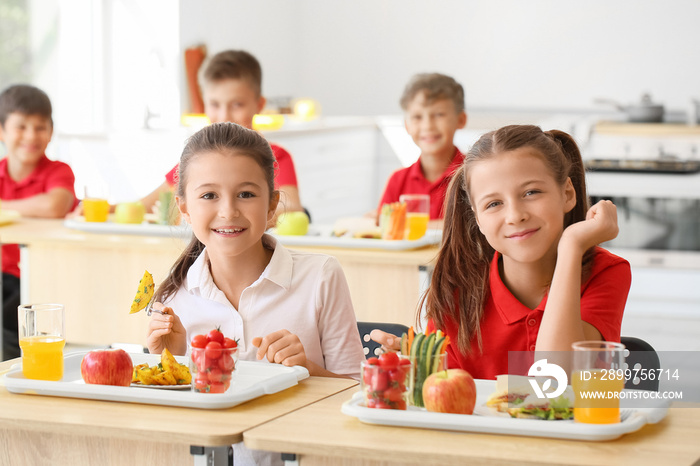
(30, 184)
(434, 110)
(232, 93)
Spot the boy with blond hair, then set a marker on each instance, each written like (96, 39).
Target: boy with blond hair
(433, 105)
(30, 184)
(232, 92)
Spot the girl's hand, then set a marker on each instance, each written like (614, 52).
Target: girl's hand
(599, 226)
(166, 331)
(281, 347)
(388, 341)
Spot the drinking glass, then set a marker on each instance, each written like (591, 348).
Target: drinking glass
(597, 379)
(41, 339)
(95, 204)
(417, 215)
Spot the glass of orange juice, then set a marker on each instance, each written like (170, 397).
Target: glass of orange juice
(95, 210)
(597, 378)
(417, 214)
(41, 339)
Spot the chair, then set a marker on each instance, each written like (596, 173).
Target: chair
(370, 347)
(641, 355)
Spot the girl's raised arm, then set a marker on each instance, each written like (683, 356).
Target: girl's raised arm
(562, 324)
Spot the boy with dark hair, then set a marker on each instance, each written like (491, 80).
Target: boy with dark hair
(434, 110)
(232, 92)
(30, 184)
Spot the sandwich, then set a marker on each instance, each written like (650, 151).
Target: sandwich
(515, 396)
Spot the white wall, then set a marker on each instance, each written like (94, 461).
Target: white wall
(355, 57)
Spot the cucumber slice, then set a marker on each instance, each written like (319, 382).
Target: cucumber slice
(404, 344)
(436, 351)
(427, 354)
(417, 369)
(415, 347)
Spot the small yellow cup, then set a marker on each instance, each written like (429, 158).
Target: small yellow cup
(95, 210)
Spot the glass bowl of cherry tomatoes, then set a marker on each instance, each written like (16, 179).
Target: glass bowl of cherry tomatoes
(213, 359)
(387, 381)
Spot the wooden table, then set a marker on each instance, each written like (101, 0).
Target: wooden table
(321, 435)
(51, 430)
(96, 275)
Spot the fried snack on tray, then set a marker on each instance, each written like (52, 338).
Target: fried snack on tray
(144, 293)
(167, 372)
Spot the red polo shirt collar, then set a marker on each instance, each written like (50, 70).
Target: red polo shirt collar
(508, 307)
(416, 172)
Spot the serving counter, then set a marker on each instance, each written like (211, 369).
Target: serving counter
(95, 275)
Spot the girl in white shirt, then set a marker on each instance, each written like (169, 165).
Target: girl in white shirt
(288, 307)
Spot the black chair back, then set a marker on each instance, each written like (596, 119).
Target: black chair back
(641, 355)
(370, 347)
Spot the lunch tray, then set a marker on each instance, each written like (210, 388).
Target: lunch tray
(485, 422)
(321, 236)
(113, 228)
(251, 379)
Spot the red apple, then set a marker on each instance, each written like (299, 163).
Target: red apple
(450, 391)
(107, 367)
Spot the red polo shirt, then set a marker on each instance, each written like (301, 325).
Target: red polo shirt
(47, 175)
(411, 180)
(285, 174)
(509, 325)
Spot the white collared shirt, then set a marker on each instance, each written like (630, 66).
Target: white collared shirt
(304, 293)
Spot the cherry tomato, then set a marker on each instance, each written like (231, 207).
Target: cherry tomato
(216, 387)
(380, 381)
(229, 343)
(226, 363)
(401, 404)
(214, 375)
(215, 335)
(392, 394)
(372, 361)
(213, 350)
(397, 375)
(201, 383)
(388, 360)
(382, 405)
(404, 361)
(198, 341)
(227, 383)
(367, 376)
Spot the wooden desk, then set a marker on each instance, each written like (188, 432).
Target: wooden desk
(95, 276)
(67, 431)
(322, 435)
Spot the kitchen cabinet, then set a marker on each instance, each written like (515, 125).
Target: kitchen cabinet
(341, 164)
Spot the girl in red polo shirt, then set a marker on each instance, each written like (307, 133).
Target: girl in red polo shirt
(519, 268)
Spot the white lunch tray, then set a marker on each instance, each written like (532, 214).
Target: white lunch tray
(484, 422)
(320, 235)
(113, 228)
(250, 380)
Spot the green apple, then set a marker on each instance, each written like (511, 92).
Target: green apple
(129, 212)
(293, 223)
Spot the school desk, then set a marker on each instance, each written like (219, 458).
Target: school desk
(95, 276)
(319, 434)
(70, 431)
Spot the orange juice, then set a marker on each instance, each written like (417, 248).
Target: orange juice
(604, 410)
(95, 210)
(416, 225)
(42, 357)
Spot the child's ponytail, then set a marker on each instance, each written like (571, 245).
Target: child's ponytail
(178, 272)
(577, 174)
(460, 278)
